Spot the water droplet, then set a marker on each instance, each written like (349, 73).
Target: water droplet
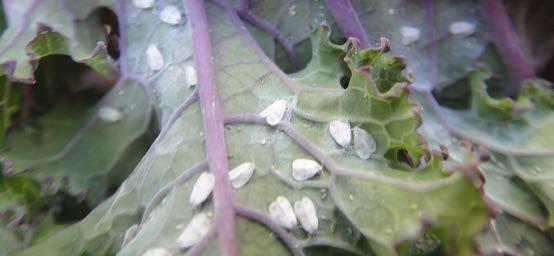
(109, 114)
(158, 251)
(351, 197)
(410, 35)
(202, 188)
(306, 214)
(462, 28)
(340, 131)
(170, 15)
(364, 143)
(143, 4)
(154, 58)
(303, 169)
(198, 227)
(281, 211)
(263, 142)
(275, 112)
(241, 174)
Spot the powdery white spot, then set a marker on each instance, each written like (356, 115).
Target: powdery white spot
(130, 234)
(170, 15)
(306, 214)
(143, 4)
(191, 77)
(303, 169)
(158, 251)
(109, 114)
(409, 35)
(154, 57)
(364, 143)
(202, 188)
(281, 211)
(340, 131)
(241, 174)
(275, 112)
(462, 28)
(198, 227)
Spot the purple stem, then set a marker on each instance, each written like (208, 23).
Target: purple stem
(506, 41)
(348, 20)
(213, 127)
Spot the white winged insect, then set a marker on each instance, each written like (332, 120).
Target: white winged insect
(364, 143)
(202, 188)
(306, 214)
(143, 4)
(462, 28)
(157, 251)
(410, 35)
(154, 57)
(191, 76)
(281, 211)
(303, 169)
(109, 114)
(170, 15)
(241, 174)
(275, 112)
(197, 228)
(340, 131)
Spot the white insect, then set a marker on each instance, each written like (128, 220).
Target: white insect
(198, 227)
(191, 77)
(170, 15)
(241, 174)
(364, 143)
(303, 169)
(410, 35)
(154, 57)
(281, 211)
(158, 251)
(462, 28)
(143, 4)
(340, 131)
(306, 214)
(109, 114)
(275, 112)
(202, 188)
(130, 234)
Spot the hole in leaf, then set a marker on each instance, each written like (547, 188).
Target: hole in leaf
(111, 29)
(548, 71)
(344, 80)
(338, 39)
(70, 209)
(302, 50)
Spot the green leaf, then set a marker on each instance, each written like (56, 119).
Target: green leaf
(454, 54)
(354, 198)
(508, 235)
(29, 36)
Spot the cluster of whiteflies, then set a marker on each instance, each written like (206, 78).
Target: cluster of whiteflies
(342, 133)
